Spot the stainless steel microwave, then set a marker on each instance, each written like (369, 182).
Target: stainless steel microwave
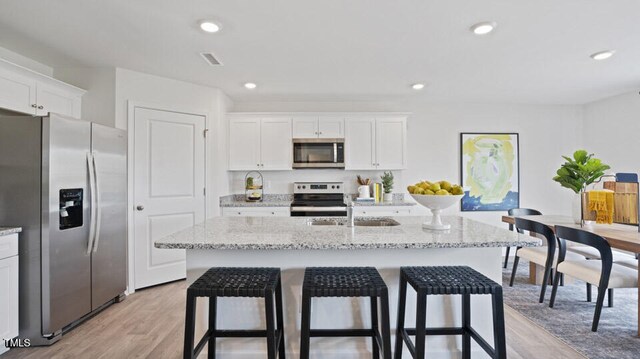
(318, 153)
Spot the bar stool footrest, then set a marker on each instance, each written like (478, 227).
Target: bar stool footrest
(407, 332)
(343, 333)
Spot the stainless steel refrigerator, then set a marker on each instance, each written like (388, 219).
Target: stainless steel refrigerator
(64, 181)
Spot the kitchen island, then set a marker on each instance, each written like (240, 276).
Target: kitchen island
(293, 243)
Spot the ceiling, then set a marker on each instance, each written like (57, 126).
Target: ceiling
(337, 50)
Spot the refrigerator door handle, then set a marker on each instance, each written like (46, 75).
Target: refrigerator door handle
(98, 222)
(92, 193)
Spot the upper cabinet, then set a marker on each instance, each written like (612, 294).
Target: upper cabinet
(378, 143)
(318, 127)
(25, 91)
(260, 143)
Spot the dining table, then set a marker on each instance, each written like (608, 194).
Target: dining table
(619, 236)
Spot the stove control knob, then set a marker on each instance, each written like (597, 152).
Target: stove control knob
(333, 187)
(298, 186)
(304, 187)
(338, 186)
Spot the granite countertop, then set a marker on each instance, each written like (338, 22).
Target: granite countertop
(5, 231)
(271, 233)
(268, 200)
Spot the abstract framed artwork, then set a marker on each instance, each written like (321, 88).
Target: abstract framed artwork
(490, 171)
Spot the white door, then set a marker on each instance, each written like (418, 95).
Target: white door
(359, 142)
(244, 144)
(169, 180)
(305, 127)
(17, 93)
(331, 127)
(391, 143)
(276, 149)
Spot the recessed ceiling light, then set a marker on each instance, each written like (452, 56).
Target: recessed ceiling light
(250, 85)
(209, 26)
(417, 86)
(483, 28)
(602, 55)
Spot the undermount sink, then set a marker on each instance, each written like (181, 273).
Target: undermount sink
(326, 222)
(382, 222)
(377, 222)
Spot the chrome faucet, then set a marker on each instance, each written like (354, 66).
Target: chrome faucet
(350, 221)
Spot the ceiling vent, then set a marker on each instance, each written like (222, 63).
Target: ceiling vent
(210, 59)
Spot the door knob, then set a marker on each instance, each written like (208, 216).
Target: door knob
(140, 207)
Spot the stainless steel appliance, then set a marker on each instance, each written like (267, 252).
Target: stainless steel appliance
(318, 153)
(64, 181)
(318, 199)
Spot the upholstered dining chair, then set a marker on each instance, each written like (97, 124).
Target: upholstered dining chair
(515, 212)
(603, 273)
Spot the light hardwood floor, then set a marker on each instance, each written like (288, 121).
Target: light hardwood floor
(149, 324)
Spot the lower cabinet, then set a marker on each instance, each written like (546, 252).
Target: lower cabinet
(383, 211)
(256, 211)
(8, 289)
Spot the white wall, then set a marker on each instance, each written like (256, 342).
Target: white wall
(546, 133)
(98, 103)
(24, 61)
(612, 130)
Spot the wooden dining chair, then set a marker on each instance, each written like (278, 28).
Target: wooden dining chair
(543, 256)
(602, 273)
(515, 212)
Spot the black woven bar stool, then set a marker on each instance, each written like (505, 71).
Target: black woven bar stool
(347, 282)
(236, 282)
(444, 281)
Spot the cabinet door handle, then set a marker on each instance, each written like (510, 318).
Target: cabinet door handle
(34, 105)
(40, 107)
(273, 213)
(319, 133)
(239, 213)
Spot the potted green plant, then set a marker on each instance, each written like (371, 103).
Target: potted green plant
(576, 174)
(387, 185)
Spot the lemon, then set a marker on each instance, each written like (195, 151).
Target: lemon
(435, 187)
(442, 192)
(445, 185)
(429, 192)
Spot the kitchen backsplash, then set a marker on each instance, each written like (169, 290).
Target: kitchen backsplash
(282, 181)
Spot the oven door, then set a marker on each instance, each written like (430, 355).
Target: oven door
(309, 211)
(318, 153)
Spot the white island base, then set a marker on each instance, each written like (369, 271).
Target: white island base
(248, 313)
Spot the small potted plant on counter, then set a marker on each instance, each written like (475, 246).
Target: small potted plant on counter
(387, 185)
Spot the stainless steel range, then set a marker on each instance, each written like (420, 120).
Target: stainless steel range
(318, 199)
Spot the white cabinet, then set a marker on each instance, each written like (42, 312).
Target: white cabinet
(25, 91)
(305, 127)
(256, 212)
(384, 211)
(260, 143)
(391, 135)
(8, 288)
(276, 151)
(244, 144)
(58, 100)
(359, 143)
(375, 143)
(318, 127)
(17, 92)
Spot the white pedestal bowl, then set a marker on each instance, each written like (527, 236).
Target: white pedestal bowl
(436, 204)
